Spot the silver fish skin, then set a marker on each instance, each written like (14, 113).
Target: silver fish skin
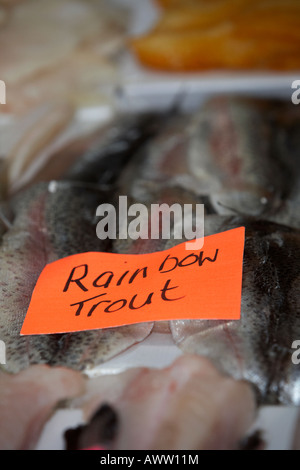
(108, 154)
(157, 165)
(50, 221)
(258, 347)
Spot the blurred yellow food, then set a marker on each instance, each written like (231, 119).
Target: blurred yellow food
(187, 16)
(223, 34)
(175, 3)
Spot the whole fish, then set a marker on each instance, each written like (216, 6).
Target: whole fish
(47, 222)
(258, 347)
(226, 153)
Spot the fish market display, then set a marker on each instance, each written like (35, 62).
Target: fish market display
(240, 158)
(237, 35)
(28, 400)
(258, 347)
(187, 405)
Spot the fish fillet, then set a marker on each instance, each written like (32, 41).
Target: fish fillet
(29, 398)
(188, 405)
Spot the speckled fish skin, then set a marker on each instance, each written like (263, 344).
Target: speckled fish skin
(258, 347)
(48, 222)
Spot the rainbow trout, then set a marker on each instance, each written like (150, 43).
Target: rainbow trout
(47, 222)
(52, 219)
(237, 155)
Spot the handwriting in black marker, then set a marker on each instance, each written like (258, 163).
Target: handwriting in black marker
(137, 301)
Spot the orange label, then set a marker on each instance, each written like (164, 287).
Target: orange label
(94, 290)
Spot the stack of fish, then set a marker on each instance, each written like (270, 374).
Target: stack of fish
(240, 158)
